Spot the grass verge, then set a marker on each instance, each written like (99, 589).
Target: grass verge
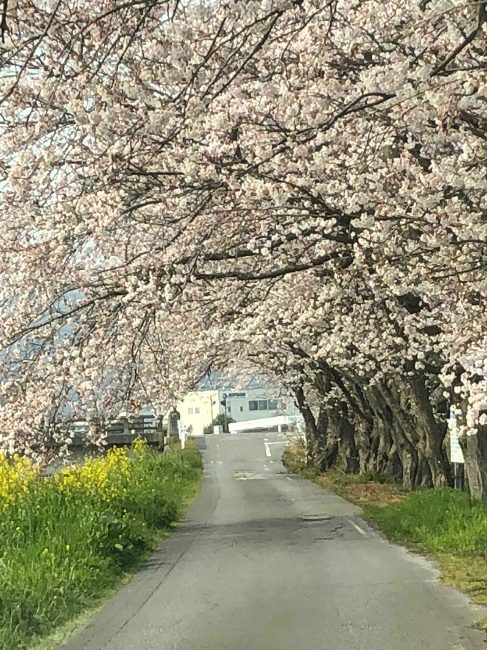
(69, 541)
(443, 524)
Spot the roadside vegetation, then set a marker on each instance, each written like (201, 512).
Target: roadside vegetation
(66, 541)
(445, 524)
(223, 420)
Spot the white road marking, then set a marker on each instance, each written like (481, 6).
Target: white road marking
(289, 478)
(360, 530)
(267, 449)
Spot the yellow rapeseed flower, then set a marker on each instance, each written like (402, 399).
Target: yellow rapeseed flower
(103, 477)
(16, 476)
(140, 446)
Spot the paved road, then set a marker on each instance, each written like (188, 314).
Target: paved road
(266, 561)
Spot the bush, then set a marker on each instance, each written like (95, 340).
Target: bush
(294, 458)
(221, 420)
(66, 540)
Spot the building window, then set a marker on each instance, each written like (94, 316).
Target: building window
(241, 409)
(262, 405)
(272, 405)
(229, 408)
(197, 410)
(190, 411)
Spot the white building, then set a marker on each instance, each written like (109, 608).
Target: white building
(199, 408)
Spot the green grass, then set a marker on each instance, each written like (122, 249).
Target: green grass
(438, 521)
(62, 551)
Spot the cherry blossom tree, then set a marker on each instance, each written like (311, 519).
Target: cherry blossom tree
(294, 185)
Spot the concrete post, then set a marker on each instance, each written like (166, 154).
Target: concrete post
(182, 434)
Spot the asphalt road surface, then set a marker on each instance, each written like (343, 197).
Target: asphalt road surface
(266, 561)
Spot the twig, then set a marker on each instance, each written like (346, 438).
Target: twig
(3, 23)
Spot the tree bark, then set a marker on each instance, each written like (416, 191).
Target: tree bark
(431, 433)
(315, 430)
(387, 428)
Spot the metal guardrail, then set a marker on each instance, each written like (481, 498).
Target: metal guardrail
(277, 422)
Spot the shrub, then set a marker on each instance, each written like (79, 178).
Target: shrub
(294, 457)
(222, 420)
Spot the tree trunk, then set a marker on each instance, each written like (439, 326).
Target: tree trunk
(315, 431)
(431, 434)
(394, 420)
(387, 428)
(341, 450)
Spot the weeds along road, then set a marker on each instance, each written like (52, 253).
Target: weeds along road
(266, 561)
